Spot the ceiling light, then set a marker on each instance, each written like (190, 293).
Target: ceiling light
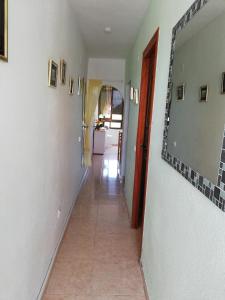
(108, 29)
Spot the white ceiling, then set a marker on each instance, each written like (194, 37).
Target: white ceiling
(123, 16)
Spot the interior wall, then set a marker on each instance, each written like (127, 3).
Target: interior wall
(183, 247)
(40, 155)
(110, 71)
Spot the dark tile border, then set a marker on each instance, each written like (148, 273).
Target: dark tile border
(215, 193)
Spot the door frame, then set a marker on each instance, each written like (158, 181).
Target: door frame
(152, 46)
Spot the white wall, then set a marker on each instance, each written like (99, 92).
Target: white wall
(110, 71)
(183, 248)
(39, 129)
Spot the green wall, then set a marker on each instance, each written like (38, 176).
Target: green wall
(183, 243)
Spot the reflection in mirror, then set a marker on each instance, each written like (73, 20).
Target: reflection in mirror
(196, 127)
(110, 107)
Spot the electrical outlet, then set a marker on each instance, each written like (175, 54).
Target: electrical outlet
(58, 213)
(79, 139)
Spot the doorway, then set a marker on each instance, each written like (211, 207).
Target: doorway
(109, 122)
(144, 131)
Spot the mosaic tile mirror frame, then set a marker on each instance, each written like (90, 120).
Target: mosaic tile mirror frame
(214, 191)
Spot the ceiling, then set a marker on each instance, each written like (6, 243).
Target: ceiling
(123, 16)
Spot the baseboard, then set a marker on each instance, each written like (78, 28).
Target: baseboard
(145, 285)
(45, 282)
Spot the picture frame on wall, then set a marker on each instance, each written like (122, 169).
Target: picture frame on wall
(4, 30)
(131, 93)
(71, 86)
(62, 71)
(136, 96)
(83, 87)
(203, 93)
(223, 83)
(180, 92)
(52, 73)
(79, 86)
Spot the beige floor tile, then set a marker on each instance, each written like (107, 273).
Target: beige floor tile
(58, 297)
(113, 279)
(78, 226)
(85, 212)
(71, 279)
(115, 248)
(81, 249)
(98, 258)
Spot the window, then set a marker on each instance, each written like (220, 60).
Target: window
(110, 107)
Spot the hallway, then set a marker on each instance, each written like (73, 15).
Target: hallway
(98, 258)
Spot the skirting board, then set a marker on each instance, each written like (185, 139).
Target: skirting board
(45, 282)
(145, 285)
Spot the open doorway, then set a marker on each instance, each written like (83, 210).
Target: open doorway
(109, 122)
(144, 131)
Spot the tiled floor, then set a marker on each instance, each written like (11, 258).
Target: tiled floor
(98, 259)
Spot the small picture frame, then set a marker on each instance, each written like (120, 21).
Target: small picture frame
(4, 30)
(131, 93)
(62, 72)
(223, 83)
(52, 73)
(82, 86)
(180, 92)
(136, 96)
(79, 86)
(203, 93)
(71, 86)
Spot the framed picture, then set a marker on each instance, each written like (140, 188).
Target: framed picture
(203, 93)
(131, 93)
(79, 86)
(4, 30)
(52, 73)
(62, 71)
(136, 96)
(71, 86)
(223, 84)
(82, 86)
(180, 92)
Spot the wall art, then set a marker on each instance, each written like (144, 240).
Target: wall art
(62, 71)
(52, 73)
(71, 86)
(203, 93)
(223, 84)
(4, 30)
(180, 92)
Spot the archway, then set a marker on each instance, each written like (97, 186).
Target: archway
(109, 121)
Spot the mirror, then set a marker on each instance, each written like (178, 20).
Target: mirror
(110, 107)
(195, 111)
